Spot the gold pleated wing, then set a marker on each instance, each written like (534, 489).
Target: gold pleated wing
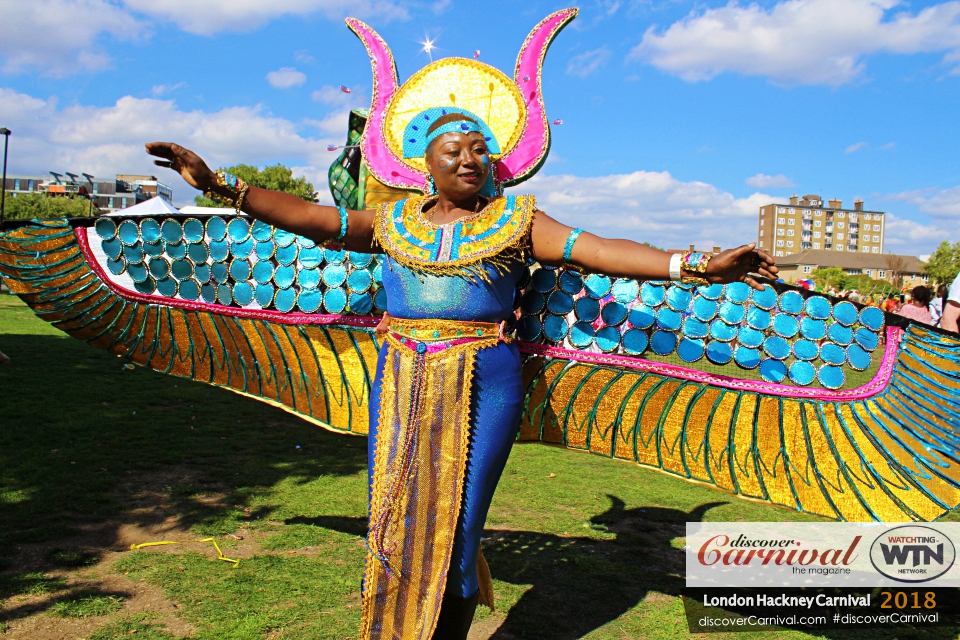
(784, 396)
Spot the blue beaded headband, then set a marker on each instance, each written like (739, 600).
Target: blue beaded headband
(457, 126)
(416, 140)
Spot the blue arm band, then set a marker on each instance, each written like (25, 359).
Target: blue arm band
(343, 224)
(568, 247)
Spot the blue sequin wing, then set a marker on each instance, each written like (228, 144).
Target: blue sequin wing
(223, 326)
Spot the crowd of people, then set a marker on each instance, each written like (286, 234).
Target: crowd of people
(920, 304)
(939, 308)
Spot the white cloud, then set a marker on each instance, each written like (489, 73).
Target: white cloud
(762, 181)
(904, 235)
(799, 41)
(910, 237)
(855, 147)
(588, 62)
(61, 36)
(890, 146)
(163, 89)
(944, 204)
(213, 16)
(650, 206)
(938, 203)
(286, 77)
(109, 140)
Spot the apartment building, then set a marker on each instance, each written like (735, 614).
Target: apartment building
(807, 224)
(108, 194)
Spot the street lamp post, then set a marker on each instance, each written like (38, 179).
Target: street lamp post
(3, 185)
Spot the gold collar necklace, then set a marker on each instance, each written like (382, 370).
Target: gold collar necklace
(477, 211)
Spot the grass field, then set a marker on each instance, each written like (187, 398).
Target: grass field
(95, 457)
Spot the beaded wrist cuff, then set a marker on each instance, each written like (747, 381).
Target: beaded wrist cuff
(568, 248)
(343, 224)
(237, 188)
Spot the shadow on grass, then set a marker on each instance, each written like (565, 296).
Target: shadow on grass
(579, 583)
(88, 447)
(78, 602)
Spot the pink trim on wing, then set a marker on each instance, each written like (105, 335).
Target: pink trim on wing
(291, 318)
(530, 151)
(875, 386)
(376, 153)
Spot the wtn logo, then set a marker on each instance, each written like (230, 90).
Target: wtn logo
(912, 553)
(897, 554)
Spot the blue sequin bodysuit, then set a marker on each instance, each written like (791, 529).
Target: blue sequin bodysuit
(497, 399)
(445, 405)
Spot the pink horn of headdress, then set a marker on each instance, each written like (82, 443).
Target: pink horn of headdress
(530, 153)
(380, 161)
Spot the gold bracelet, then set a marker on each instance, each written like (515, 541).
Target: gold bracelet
(236, 186)
(241, 196)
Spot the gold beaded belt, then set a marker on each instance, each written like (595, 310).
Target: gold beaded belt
(436, 330)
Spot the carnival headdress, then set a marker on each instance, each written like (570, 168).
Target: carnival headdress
(417, 135)
(510, 112)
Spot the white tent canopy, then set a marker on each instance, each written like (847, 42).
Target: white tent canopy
(207, 211)
(155, 206)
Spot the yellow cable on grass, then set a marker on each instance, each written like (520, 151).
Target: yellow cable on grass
(220, 555)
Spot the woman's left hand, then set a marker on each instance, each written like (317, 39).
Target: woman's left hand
(735, 265)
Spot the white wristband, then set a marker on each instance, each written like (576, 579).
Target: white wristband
(675, 267)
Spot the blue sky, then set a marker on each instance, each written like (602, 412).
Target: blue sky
(680, 118)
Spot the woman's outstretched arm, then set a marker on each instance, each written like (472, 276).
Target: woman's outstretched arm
(282, 210)
(628, 259)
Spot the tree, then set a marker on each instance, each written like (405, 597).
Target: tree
(869, 286)
(830, 277)
(275, 178)
(837, 278)
(944, 263)
(896, 266)
(43, 205)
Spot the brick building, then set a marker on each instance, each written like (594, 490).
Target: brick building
(806, 224)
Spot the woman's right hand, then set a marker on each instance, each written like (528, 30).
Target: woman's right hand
(185, 162)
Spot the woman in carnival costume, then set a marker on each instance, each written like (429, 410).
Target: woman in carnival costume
(448, 394)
